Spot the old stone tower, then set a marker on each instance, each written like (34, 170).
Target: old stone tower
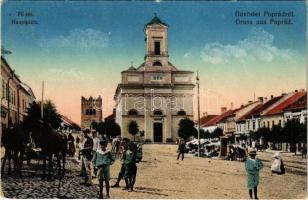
(91, 110)
(156, 94)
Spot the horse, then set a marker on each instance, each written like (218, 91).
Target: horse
(51, 142)
(14, 140)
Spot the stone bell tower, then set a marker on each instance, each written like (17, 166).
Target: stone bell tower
(156, 56)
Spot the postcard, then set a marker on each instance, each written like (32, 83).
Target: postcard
(153, 99)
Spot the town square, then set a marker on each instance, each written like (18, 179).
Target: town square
(130, 100)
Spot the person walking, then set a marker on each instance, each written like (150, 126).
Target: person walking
(253, 166)
(277, 166)
(102, 159)
(96, 144)
(181, 149)
(86, 157)
(130, 167)
(123, 149)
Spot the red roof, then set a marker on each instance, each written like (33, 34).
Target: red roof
(300, 104)
(110, 117)
(258, 109)
(218, 118)
(249, 113)
(284, 104)
(207, 118)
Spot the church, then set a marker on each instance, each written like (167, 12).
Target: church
(156, 95)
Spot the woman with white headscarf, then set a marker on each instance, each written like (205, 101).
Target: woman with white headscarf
(277, 166)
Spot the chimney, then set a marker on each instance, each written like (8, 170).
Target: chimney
(223, 110)
(260, 99)
(231, 106)
(265, 99)
(242, 106)
(205, 114)
(282, 94)
(272, 96)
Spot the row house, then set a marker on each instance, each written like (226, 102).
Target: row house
(274, 115)
(262, 113)
(297, 110)
(253, 118)
(15, 96)
(217, 121)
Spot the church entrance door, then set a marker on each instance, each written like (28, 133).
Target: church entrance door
(158, 132)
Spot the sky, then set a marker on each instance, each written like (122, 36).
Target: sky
(79, 48)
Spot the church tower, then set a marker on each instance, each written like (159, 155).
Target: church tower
(156, 95)
(156, 56)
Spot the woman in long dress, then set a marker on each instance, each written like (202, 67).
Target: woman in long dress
(277, 166)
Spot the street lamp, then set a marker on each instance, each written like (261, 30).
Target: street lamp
(197, 81)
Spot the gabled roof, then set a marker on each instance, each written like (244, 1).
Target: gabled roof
(284, 104)
(205, 119)
(299, 104)
(249, 113)
(219, 118)
(261, 107)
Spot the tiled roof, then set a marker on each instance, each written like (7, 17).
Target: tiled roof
(284, 104)
(218, 118)
(207, 118)
(261, 107)
(301, 103)
(249, 113)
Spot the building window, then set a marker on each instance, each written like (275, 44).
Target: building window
(253, 125)
(157, 77)
(132, 112)
(181, 112)
(93, 112)
(157, 47)
(157, 64)
(158, 112)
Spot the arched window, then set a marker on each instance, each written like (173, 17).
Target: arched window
(93, 112)
(158, 112)
(181, 112)
(132, 112)
(157, 63)
(90, 111)
(87, 112)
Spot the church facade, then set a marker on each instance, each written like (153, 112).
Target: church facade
(156, 95)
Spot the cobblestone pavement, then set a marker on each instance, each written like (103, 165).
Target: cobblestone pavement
(161, 176)
(31, 184)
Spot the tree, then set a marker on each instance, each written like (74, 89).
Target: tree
(187, 128)
(112, 128)
(133, 128)
(276, 134)
(217, 133)
(50, 113)
(204, 134)
(292, 133)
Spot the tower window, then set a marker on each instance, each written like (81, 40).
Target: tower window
(157, 63)
(157, 48)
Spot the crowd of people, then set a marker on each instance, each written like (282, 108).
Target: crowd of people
(96, 158)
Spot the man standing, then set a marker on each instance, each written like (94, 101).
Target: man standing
(96, 141)
(123, 149)
(86, 157)
(181, 149)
